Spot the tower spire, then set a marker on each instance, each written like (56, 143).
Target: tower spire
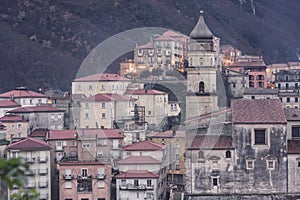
(201, 31)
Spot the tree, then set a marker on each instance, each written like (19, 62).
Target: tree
(12, 172)
(157, 72)
(145, 74)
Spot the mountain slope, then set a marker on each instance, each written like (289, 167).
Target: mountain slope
(43, 42)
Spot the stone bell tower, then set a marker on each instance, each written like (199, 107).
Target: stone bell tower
(203, 59)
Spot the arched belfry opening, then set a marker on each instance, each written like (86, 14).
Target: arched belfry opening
(201, 87)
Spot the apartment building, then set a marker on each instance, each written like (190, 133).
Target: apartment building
(100, 83)
(37, 154)
(16, 126)
(24, 97)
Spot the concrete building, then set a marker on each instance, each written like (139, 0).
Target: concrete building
(175, 142)
(84, 180)
(260, 93)
(37, 154)
(155, 103)
(134, 184)
(99, 84)
(165, 51)
(287, 82)
(16, 126)
(24, 97)
(272, 69)
(105, 110)
(42, 116)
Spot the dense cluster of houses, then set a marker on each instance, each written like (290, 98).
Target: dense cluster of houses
(108, 138)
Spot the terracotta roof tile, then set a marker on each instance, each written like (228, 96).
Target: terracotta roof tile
(18, 93)
(8, 104)
(210, 142)
(29, 144)
(108, 97)
(257, 111)
(39, 133)
(144, 146)
(32, 109)
(137, 174)
(11, 118)
(293, 147)
(139, 160)
(144, 92)
(167, 134)
(101, 77)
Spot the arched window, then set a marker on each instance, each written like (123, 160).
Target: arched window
(201, 87)
(200, 155)
(228, 154)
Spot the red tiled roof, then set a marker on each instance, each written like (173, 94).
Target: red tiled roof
(139, 160)
(137, 174)
(85, 133)
(29, 144)
(42, 108)
(170, 33)
(11, 118)
(101, 77)
(167, 134)
(39, 133)
(108, 97)
(144, 146)
(258, 111)
(19, 93)
(144, 92)
(210, 142)
(8, 104)
(293, 147)
(146, 46)
(85, 163)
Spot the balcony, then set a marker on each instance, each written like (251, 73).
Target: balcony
(43, 171)
(30, 173)
(30, 186)
(100, 176)
(42, 159)
(43, 184)
(44, 196)
(30, 160)
(132, 187)
(68, 176)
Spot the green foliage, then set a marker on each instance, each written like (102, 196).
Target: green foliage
(172, 73)
(145, 74)
(157, 72)
(12, 172)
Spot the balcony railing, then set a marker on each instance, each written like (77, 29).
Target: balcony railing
(68, 176)
(100, 176)
(30, 173)
(43, 184)
(30, 186)
(44, 196)
(43, 171)
(42, 159)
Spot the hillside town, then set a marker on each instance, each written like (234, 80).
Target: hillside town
(185, 119)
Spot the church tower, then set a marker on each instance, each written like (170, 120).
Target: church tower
(203, 65)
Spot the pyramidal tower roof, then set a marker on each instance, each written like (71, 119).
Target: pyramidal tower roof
(201, 31)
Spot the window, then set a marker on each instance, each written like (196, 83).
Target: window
(252, 97)
(103, 105)
(260, 136)
(86, 145)
(177, 157)
(286, 86)
(136, 182)
(215, 181)
(271, 164)
(296, 85)
(86, 105)
(295, 131)
(288, 99)
(149, 112)
(86, 115)
(149, 183)
(250, 164)
(73, 143)
(100, 184)
(102, 87)
(30, 101)
(84, 172)
(123, 182)
(78, 87)
(200, 155)
(279, 85)
(201, 87)
(128, 153)
(103, 115)
(68, 185)
(228, 154)
(296, 99)
(298, 164)
(90, 87)
(58, 144)
(177, 167)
